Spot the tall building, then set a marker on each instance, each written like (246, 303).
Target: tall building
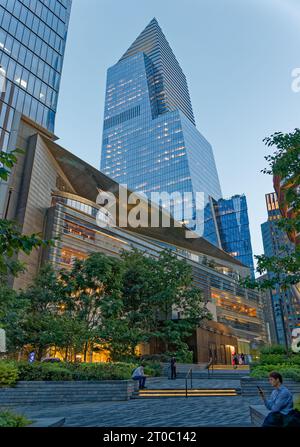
(233, 226)
(32, 44)
(150, 141)
(268, 313)
(286, 307)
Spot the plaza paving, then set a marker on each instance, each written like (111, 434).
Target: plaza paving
(166, 412)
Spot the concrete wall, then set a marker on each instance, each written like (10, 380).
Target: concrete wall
(39, 392)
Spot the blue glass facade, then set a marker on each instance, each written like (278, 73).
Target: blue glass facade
(233, 225)
(32, 43)
(150, 141)
(286, 308)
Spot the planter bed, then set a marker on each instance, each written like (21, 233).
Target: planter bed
(249, 386)
(39, 392)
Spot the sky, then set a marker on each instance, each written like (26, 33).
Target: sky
(238, 57)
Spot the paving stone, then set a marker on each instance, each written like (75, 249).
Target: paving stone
(166, 412)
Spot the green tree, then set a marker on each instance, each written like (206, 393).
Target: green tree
(284, 163)
(153, 289)
(13, 311)
(43, 301)
(93, 298)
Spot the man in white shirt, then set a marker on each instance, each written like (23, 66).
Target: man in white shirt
(138, 374)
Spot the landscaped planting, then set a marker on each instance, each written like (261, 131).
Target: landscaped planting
(11, 372)
(9, 419)
(8, 374)
(277, 359)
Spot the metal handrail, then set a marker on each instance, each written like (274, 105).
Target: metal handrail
(190, 373)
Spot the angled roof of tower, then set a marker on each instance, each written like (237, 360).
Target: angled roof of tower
(147, 41)
(171, 85)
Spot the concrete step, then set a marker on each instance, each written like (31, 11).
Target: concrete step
(48, 422)
(181, 392)
(226, 376)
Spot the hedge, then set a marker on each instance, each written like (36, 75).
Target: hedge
(102, 371)
(9, 419)
(274, 349)
(43, 371)
(263, 371)
(10, 372)
(276, 358)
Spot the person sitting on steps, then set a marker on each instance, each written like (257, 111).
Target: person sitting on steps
(139, 374)
(280, 403)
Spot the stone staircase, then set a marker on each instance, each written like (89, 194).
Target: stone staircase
(181, 392)
(199, 371)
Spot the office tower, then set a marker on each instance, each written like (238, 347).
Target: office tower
(32, 43)
(233, 226)
(268, 313)
(286, 307)
(150, 141)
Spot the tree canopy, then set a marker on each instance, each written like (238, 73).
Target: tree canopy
(108, 302)
(284, 163)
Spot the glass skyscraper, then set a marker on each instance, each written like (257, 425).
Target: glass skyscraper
(233, 226)
(286, 308)
(32, 44)
(150, 141)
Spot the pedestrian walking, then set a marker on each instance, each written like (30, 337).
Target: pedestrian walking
(236, 360)
(173, 368)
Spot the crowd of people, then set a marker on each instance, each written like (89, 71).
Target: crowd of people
(241, 359)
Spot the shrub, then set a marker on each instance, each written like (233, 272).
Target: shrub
(44, 371)
(8, 374)
(156, 358)
(292, 373)
(272, 359)
(295, 359)
(297, 402)
(79, 371)
(102, 371)
(9, 419)
(287, 371)
(182, 356)
(153, 369)
(274, 349)
(291, 359)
